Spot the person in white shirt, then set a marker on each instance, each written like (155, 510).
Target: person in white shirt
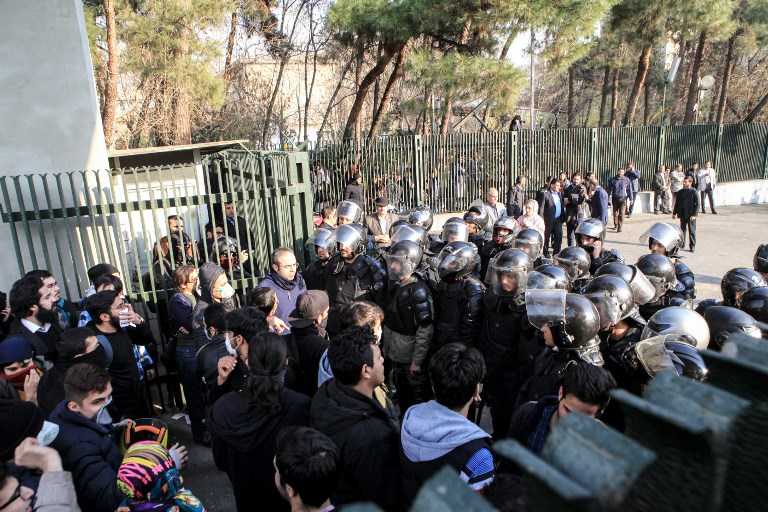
(707, 179)
(493, 207)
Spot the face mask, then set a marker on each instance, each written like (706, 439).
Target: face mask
(226, 291)
(18, 377)
(48, 433)
(231, 350)
(103, 417)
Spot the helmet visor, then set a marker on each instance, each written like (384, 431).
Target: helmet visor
(654, 355)
(608, 307)
(666, 234)
(406, 232)
(454, 232)
(533, 249)
(539, 281)
(643, 290)
(507, 281)
(591, 353)
(545, 307)
(571, 267)
(349, 210)
(399, 267)
(452, 263)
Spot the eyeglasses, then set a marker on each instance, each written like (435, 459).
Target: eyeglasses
(290, 265)
(15, 496)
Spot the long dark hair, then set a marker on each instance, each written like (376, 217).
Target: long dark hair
(267, 355)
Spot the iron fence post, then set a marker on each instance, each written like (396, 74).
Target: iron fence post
(660, 146)
(418, 168)
(593, 148)
(718, 145)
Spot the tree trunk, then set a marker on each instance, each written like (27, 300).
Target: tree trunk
(182, 112)
(604, 94)
(643, 64)
(726, 78)
(230, 47)
(758, 108)
(614, 99)
(502, 57)
(397, 73)
(376, 89)
(333, 98)
(283, 62)
(692, 105)
(646, 104)
(309, 90)
(110, 89)
(571, 80)
(387, 54)
(359, 59)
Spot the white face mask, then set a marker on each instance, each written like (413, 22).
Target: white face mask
(103, 417)
(228, 344)
(226, 291)
(47, 434)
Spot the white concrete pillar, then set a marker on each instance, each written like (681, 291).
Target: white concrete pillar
(49, 112)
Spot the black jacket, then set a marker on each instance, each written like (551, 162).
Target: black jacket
(527, 418)
(687, 203)
(458, 311)
(89, 453)
(44, 344)
(547, 208)
(309, 346)
(314, 275)
(515, 201)
(368, 439)
(354, 192)
(243, 443)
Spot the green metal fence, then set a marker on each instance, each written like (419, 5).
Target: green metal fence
(447, 172)
(68, 222)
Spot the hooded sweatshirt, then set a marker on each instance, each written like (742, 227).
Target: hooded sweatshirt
(433, 436)
(208, 274)
(367, 437)
(244, 443)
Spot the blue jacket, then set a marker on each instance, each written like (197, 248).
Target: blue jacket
(89, 453)
(286, 298)
(620, 187)
(599, 205)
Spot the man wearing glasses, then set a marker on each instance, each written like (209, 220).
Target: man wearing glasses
(286, 280)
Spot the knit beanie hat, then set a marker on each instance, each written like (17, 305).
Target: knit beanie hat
(20, 420)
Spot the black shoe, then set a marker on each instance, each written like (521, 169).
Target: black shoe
(714, 212)
(692, 249)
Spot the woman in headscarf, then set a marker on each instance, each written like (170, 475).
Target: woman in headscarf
(530, 218)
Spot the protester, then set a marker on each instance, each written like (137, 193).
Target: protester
(328, 214)
(354, 190)
(379, 223)
(308, 322)
(438, 433)
(661, 184)
(530, 217)
(306, 469)
(621, 196)
(286, 280)
(576, 206)
(66, 311)
(686, 208)
(344, 409)
(35, 317)
(214, 288)
(244, 425)
(598, 201)
(493, 207)
(585, 389)
(552, 209)
(676, 182)
(634, 178)
(18, 368)
(237, 227)
(516, 197)
(706, 180)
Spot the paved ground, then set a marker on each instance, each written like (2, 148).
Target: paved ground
(725, 241)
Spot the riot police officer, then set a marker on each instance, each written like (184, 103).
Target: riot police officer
(476, 220)
(348, 212)
(548, 277)
(726, 320)
(737, 281)
(590, 235)
(688, 325)
(667, 239)
(660, 271)
(755, 302)
(569, 325)
(531, 242)
(454, 230)
(458, 296)
(323, 242)
(408, 329)
(503, 238)
(351, 274)
(421, 216)
(576, 262)
(507, 339)
(760, 261)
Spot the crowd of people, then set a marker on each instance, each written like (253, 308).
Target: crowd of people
(358, 377)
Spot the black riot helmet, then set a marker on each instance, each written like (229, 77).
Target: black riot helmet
(643, 290)
(726, 320)
(592, 228)
(737, 281)
(612, 297)
(755, 303)
(688, 361)
(454, 230)
(660, 271)
(477, 216)
(760, 261)
(705, 304)
(507, 224)
(323, 239)
(666, 234)
(403, 259)
(548, 277)
(456, 260)
(397, 225)
(350, 211)
(530, 241)
(352, 236)
(405, 231)
(508, 272)
(421, 216)
(575, 261)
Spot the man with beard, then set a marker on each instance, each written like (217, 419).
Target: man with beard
(66, 311)
(323, 242)
(36, 318)
(506, 337)
(115, 319)
(590, 236)
(351, 274)
(407, 331)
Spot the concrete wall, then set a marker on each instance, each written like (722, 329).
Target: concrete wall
(49, 112)
(741, 192)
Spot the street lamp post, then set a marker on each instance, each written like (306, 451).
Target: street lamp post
(705, 83)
